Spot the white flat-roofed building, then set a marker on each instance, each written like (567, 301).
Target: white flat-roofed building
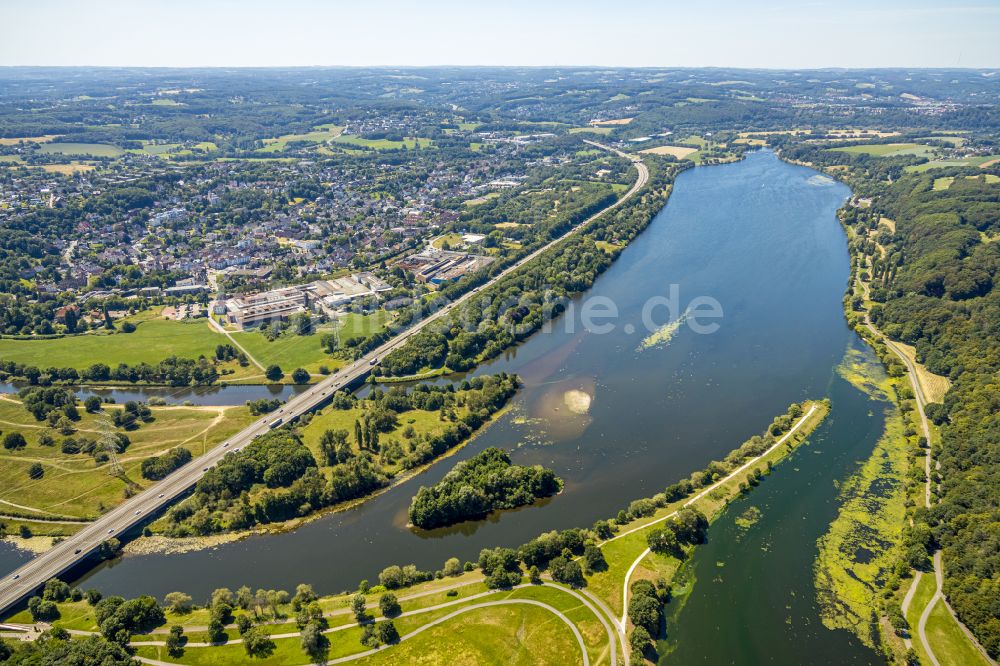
(277, 304)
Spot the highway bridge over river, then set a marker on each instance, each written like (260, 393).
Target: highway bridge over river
(26, 580)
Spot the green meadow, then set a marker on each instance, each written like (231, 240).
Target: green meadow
(95, 149)
(384, 144)
(887, 149)
(152, 341)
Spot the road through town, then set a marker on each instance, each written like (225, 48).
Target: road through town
(74, 549)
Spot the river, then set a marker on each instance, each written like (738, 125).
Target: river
(759, 236)
(753, 599)
(213, 395)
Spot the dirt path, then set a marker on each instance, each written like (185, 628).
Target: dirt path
(214, 324)
(921, 401)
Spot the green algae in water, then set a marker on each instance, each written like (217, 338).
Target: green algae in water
(858, 551)
(748, 518)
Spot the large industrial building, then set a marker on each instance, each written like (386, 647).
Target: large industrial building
(252, 310)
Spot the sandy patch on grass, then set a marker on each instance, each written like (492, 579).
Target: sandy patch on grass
(990, 163)
(933, 386)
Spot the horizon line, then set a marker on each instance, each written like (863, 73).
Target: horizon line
(547, 66)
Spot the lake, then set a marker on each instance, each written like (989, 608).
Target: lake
(759, 237)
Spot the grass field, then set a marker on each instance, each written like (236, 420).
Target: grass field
(481, 200)
(95, 149)
(383, 144)
(73, 485)
(289, 351)
(321, 134)
(343, 419)
(453, 239)
(152, 341)
(949, 643)
(887, 149)
(933, 386)
(977, 160)
(592, 130)
(517, 632)
(362, 326)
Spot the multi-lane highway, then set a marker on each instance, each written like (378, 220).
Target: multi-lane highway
(21, 583)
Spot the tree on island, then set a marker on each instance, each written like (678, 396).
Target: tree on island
(486, 482)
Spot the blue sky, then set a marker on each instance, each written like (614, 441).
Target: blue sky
(846, 33)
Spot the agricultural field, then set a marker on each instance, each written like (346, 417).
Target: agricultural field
(73, 485)
(680, 152)
(976, 160)
(159, 149)
(68, 169)
(95, 149)
(887, 149)
(28, 139)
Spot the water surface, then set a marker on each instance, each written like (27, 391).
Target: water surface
(760, 236)
(753, 600)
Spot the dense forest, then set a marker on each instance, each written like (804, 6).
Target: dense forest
(945, 300)
(936, 285)
(484, 483)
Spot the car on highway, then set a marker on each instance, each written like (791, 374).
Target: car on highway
(160, 495)
(77, 551)
(374, 361)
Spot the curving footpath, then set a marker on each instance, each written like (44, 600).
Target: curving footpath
(415, 632)
(738, 470)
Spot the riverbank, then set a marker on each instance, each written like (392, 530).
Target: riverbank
(627, 553)
(864, 573)
(160, 544)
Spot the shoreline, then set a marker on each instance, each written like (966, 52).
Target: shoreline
(160, 544)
